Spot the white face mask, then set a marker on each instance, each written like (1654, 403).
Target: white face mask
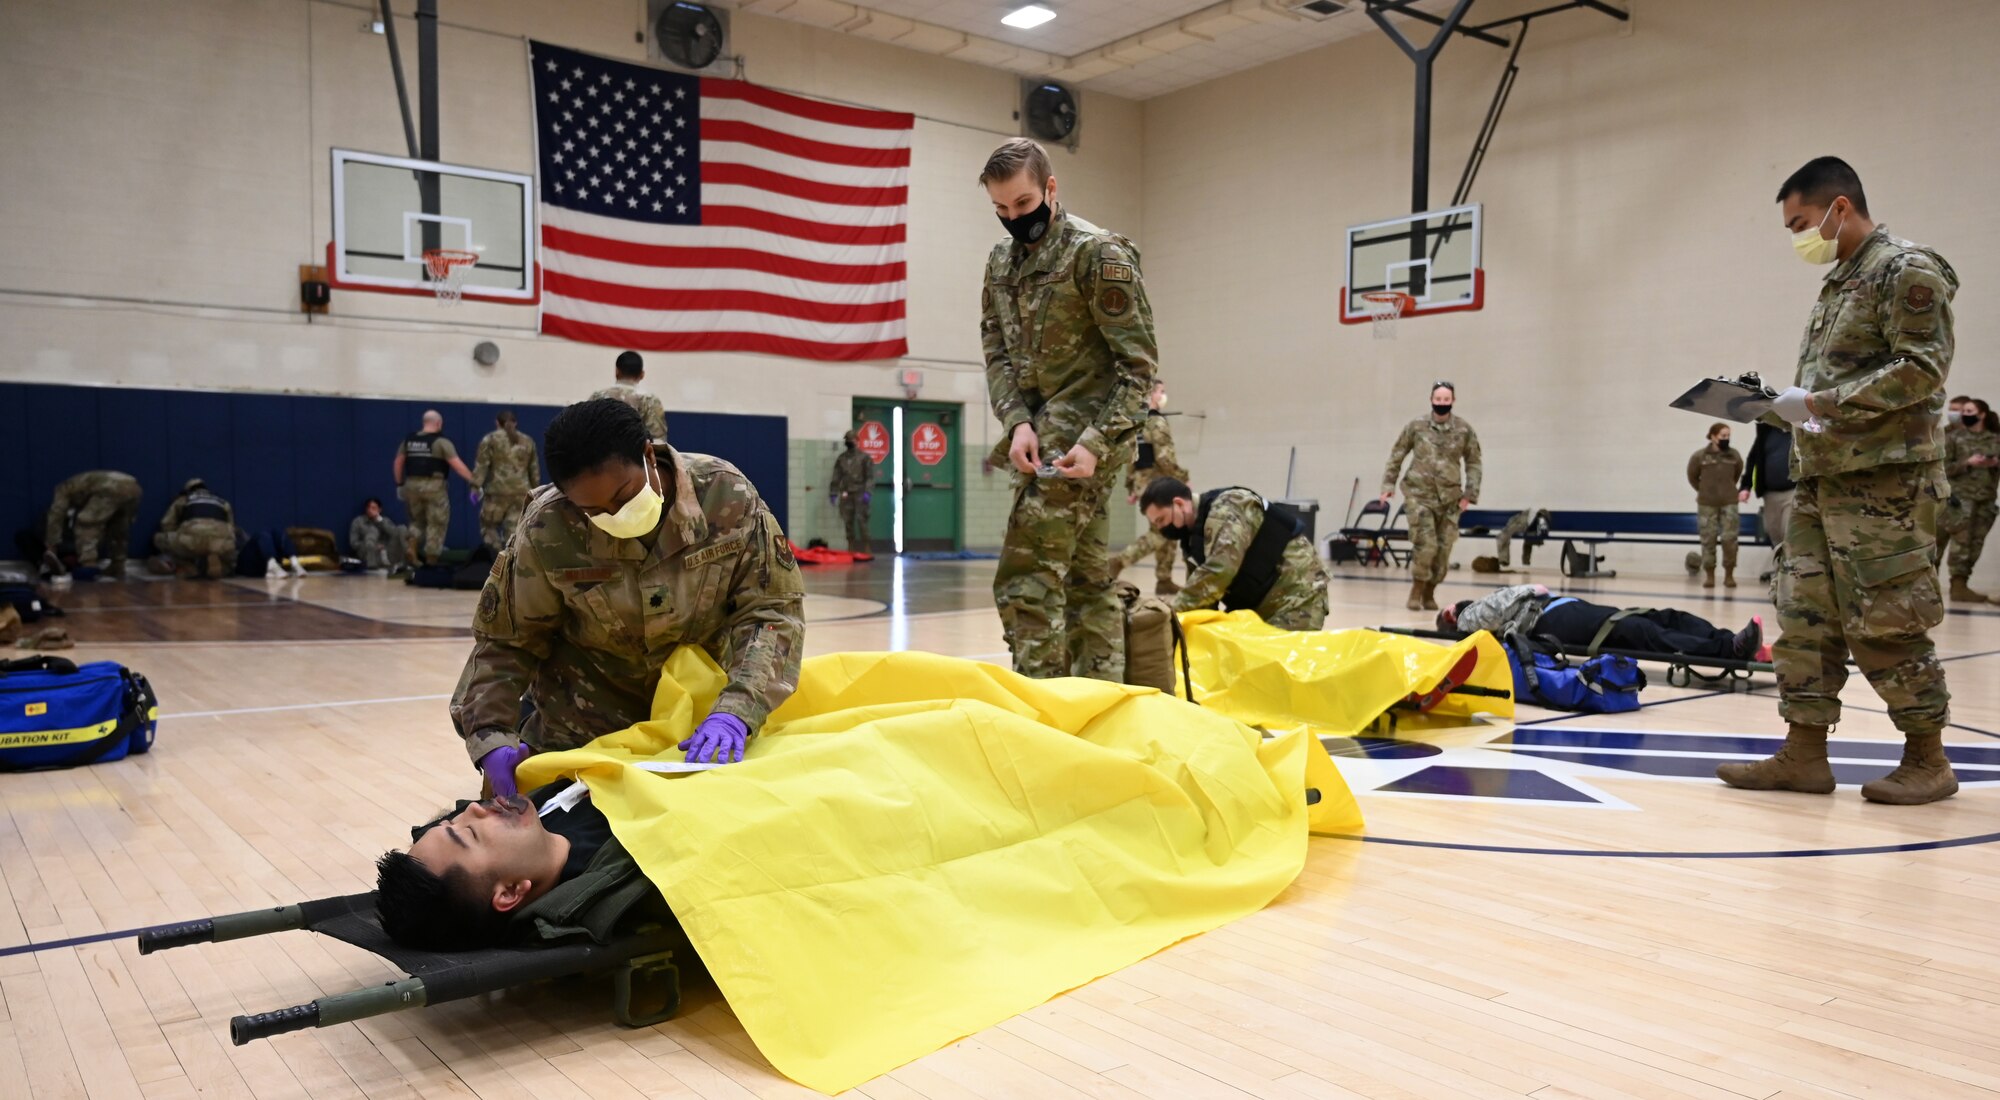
(639, 516)
(1815, 249)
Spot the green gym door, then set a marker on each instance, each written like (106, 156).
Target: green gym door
(922, 443)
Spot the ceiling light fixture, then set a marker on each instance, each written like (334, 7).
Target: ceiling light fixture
(1028, 17)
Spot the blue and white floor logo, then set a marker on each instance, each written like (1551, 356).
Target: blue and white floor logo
(1553, 765)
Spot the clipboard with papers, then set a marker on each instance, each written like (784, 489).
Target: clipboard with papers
(1742, 399)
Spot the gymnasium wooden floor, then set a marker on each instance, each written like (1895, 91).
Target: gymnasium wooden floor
(1564, 910)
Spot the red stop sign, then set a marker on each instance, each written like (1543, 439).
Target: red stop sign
(927, 444)
(873, 439)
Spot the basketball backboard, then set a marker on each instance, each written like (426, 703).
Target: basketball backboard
(380, 227)
(1433, 257)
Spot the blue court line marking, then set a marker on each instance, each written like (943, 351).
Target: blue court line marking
(1648, 706)
(1799, 853)
(77, 941)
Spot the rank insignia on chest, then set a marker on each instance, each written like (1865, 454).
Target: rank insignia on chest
(659, 598)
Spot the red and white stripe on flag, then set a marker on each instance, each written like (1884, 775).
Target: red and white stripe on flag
(692, 214)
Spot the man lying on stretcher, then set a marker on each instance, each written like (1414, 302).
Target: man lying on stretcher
(493, 872)
(1531, 609)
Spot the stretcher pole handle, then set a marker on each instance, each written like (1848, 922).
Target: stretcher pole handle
(176, 935)
(339, 1008)
(232, 926)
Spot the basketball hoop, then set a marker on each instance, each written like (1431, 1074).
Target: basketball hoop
(448, 267)
(1385, 307)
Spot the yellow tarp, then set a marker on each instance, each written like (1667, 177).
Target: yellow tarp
(1335, 682)
(918, 847)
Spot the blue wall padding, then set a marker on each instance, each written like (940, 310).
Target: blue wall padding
(285, 460)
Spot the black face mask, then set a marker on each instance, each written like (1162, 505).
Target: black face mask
(1722, 444)
(1969, 418)
(1173, 532)
(1031, 226)
(1441, 410)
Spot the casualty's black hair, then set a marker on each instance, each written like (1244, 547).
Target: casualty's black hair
(1163, 491)
(1822, 180)
(588, 434)
(431, 912)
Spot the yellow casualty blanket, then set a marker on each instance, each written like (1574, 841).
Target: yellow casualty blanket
(917, 847)
(1335, 682)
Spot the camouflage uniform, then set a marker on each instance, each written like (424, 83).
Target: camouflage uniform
(1516, 524)
(378, 543)
(1858, 574)
(1296, 602)
(504, 473)
(577, 623)
(105, 502)
(853, 479)
(428, 503)
(650, 409)
(1713, 474)
(1154, 433)
(1972, 493)
(1432, 490)
(199, 529)
(1068, 338)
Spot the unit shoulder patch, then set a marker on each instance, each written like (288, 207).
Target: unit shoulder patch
(1113, 301)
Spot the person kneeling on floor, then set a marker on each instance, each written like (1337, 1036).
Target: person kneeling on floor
(1532, 609)
(1243, 553)
(493, 872)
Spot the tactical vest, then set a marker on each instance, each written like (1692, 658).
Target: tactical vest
(1262, 562)
(418, 461)
(202, 504)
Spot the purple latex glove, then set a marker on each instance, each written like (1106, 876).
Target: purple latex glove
(499, 767)
(474, 496)
(719, 739)
(866, 497)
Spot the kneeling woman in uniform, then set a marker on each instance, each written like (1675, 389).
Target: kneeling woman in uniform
(635, 549)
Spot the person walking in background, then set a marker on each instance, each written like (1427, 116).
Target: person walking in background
(1713, 473)
(1433, 494)
(1972, 453)
(424, 463)
(850, 488)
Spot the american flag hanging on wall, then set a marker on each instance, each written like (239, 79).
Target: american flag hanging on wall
(683, 213)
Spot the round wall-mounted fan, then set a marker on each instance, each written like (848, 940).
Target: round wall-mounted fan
(689, 35)
(1050, 112)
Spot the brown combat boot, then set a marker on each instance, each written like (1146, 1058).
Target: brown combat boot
(214, 567)
(1708, 577)
(1729, 577)
(1166, 588)
(1962, 592)
(1430, 595)
(1799, 766)
(1923, 776)
(1416, 600)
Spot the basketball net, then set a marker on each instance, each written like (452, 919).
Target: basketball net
(448, 267)
(1385, 308)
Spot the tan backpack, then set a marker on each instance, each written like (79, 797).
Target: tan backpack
(1152, 633)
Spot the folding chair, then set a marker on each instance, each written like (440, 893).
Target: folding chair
(1377, 543)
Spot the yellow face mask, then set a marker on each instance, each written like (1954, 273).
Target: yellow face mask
(1815, 249)
(638, 516)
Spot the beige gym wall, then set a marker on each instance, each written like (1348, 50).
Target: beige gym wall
(1632, 244)
(167, 172)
